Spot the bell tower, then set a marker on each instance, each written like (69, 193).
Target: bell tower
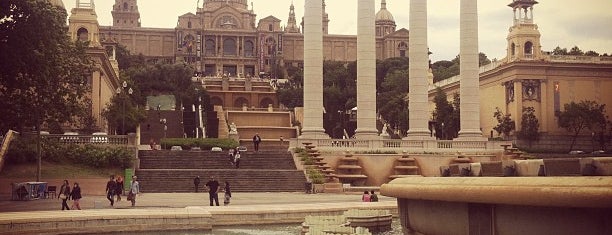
(524, 36)
(291, 22)
(83, 23)
(125, 14)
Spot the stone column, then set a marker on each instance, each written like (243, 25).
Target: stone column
(469, 72)
(419, 66)
(312, 128)
(366, 70)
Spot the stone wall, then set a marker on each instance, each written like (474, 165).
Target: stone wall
(561, 143)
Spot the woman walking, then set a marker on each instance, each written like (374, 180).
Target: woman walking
(134, 190)
(76, 196)
(227, 195)
(119, 188)
(64, 194)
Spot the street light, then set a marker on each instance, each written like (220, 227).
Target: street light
(119, 91)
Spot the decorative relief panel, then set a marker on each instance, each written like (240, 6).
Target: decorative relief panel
(509, 91)
(531, 90)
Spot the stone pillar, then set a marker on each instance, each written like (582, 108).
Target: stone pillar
(366, 70)
(312, 128)
(469, 72)
(419, 66)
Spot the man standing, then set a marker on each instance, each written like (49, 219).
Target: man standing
(256, 140)
(213, 186)
(196, 183)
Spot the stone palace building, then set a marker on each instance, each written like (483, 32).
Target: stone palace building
(224, 37)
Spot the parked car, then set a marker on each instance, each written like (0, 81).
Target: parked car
(99, 138)
(70, 137)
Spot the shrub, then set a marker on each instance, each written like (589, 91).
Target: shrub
(204, 144)
(23, 150)
(315, 176)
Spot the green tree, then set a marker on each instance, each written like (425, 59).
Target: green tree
(577, 117)
(393, 100)
(43, 75)
(529, 126)
(559, 51)
(505, 124)
(575, 51)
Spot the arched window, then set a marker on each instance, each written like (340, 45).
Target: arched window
(83, 35)
(125, 6)
(265, 102)
(249, 48)
(229, 46)
(210, 47)
(402, 47)
(240, 102)
(528, 48)
(512, 49)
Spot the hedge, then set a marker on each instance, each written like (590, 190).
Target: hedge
(23, 149)
(204, 144)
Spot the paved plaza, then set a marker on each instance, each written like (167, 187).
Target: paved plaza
(182, 200)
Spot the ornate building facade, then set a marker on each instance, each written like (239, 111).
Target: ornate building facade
(530, 77)
(224, 37)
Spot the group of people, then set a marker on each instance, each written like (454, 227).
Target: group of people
(66, 194)
(114, 187)
(234, 157)
(369, 196)
(213, 188)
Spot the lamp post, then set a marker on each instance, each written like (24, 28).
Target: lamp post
(119, 91)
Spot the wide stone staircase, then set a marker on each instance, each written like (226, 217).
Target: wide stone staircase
(269, 170)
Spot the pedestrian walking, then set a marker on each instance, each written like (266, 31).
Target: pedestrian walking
(111, 185)
(65, 194)
(237, 159)
(256, 141)
(213, 186)
(230, 153)
(119, 188)
(196, 183)
(75, 195)
(227, 195)
(134, 190)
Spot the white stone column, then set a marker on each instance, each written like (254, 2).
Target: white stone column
(419, 66)
(366, 70)
(469, 72)
(312, 128)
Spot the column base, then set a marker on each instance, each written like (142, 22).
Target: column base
(314, 134)
(419, 134)
(471, 135)
(367, 134)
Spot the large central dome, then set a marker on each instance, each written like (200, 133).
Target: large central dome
(384, 14)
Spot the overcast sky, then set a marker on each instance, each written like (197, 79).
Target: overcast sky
(564, 23)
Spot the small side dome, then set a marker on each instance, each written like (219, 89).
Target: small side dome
(383, 14)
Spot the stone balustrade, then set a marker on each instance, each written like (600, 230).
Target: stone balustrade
(400, 145)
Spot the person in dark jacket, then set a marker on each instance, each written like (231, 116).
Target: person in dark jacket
(65, 194)
(111, 185)
(256, 141)
(76, 196)
(373, 196)
(196, 183)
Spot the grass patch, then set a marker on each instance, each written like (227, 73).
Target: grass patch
(53, 170)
